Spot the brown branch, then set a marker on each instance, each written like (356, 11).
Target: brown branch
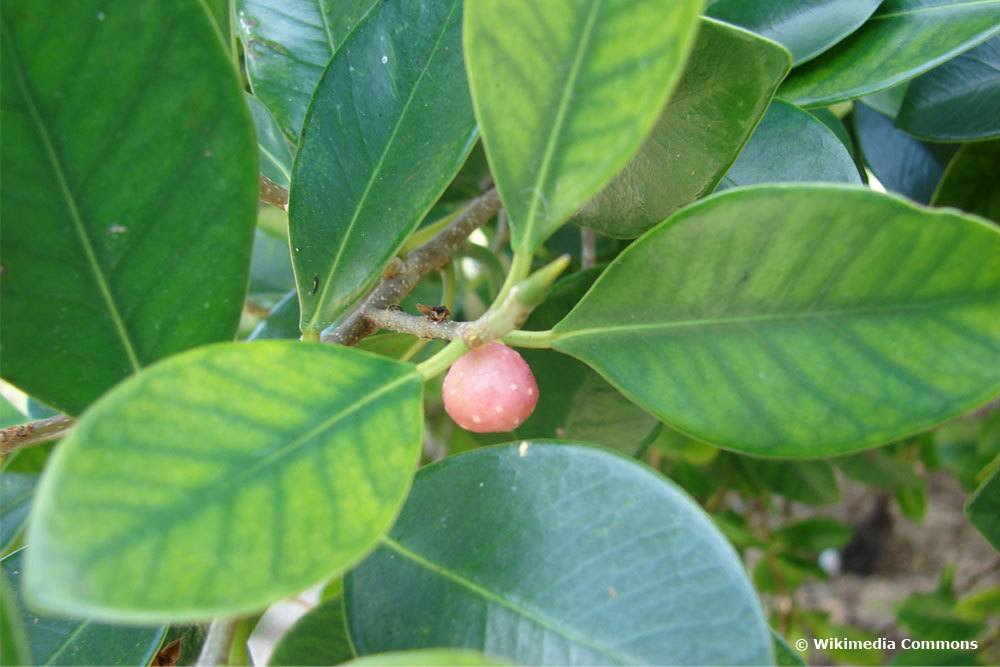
(273, 194)
(417, 325)
(431, 256)
(33, 433)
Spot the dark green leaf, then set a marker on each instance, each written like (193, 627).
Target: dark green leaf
(318, 638)
(903, 39)
(270, 269)
(785, 655)
(223, 479)
(983, 509)
(805, 27)
(958, 101)
(126, 222)
(933, 616)
(879, 469)
(13, 641)
(901, 163)
(970, 181)
(813, 534)
(61, 641)
(913, 501)
(434, 657)
(565, 93)
(282, 320)
(791, 145)
(288, 43)
(809, 482)
(274, 152)
(389, 126)
(698, 135)
(727, 322)
(16, 491)
(930, 657)
(888, 101)
(555, 554)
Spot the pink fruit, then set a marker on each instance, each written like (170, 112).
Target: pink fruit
(490, 389)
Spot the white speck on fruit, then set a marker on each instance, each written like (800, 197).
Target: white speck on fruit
(499, 408)
(452, 392)
(522, 449)
(531, 392)
(513, 387)
(476, 419)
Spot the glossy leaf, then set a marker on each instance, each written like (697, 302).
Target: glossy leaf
(16, 491)
(13, 641)
(555, 554)
(288, 43)
(61, 641)
(318, 638)
(957, 101)
(565, 92)
(729, 323)
(791, 145)
(390, 125)
(970, 181)
(804, 27)
(282, 320)
(887, 101)
(224, 479)
(901, 163)
(103, 202)
(904, 39)
(983, 509)
(274, 153)
(698, 135)
(434, 657)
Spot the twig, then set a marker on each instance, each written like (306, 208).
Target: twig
(215, 650)
(431, 256)
(273, 194)
(33, 433)
(417, 325)
(588, 247)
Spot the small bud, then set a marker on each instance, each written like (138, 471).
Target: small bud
(490, 389)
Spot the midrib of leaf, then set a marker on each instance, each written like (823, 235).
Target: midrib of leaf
(891, 309)
(65, 644)
(560, 119)
(71, 204)
(328, 281)
(936, 8)
(479, 590)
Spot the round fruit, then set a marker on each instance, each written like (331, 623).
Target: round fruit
(490, 389)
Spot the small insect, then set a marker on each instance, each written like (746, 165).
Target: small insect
(434, 313)
(315, 285)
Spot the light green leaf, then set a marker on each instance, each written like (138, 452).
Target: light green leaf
(764, 322)
(222, 480)
(698, 135)
(791, 145)
(804, 27)
(970, 181)
(433, 657)
(129, 200)
(565, 92)
(288, 43)
(13, 641)
(904, 39)
(983, 510)
(901, 163)
(16, 491)
(318, 638)
(275, 153)
(389, 127)
(957, 101)
(555, 554)
(61, 641)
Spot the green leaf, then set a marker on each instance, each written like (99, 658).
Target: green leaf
(729, 323)
(282, 320)
(128, 200)
(274, 151)
(390, 125)
(901, 163)
(698, 135)
(288, 43)
(61, 641)
(13, 641)
(434, 657)
(223, 479)
(983, 510)
(813, 534)
(904, 39)
(933, 616)
(791, 145)
(957, 101)
(927, 657)
(16, 491)
(808, 482)
(887, 101)
(785, 655)
(271, 274)
(804, 27)
(879, 469)
(970, 181)
(318, 638)
(555, 554)
(565, 92)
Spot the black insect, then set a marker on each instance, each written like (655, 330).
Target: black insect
(434, 313)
